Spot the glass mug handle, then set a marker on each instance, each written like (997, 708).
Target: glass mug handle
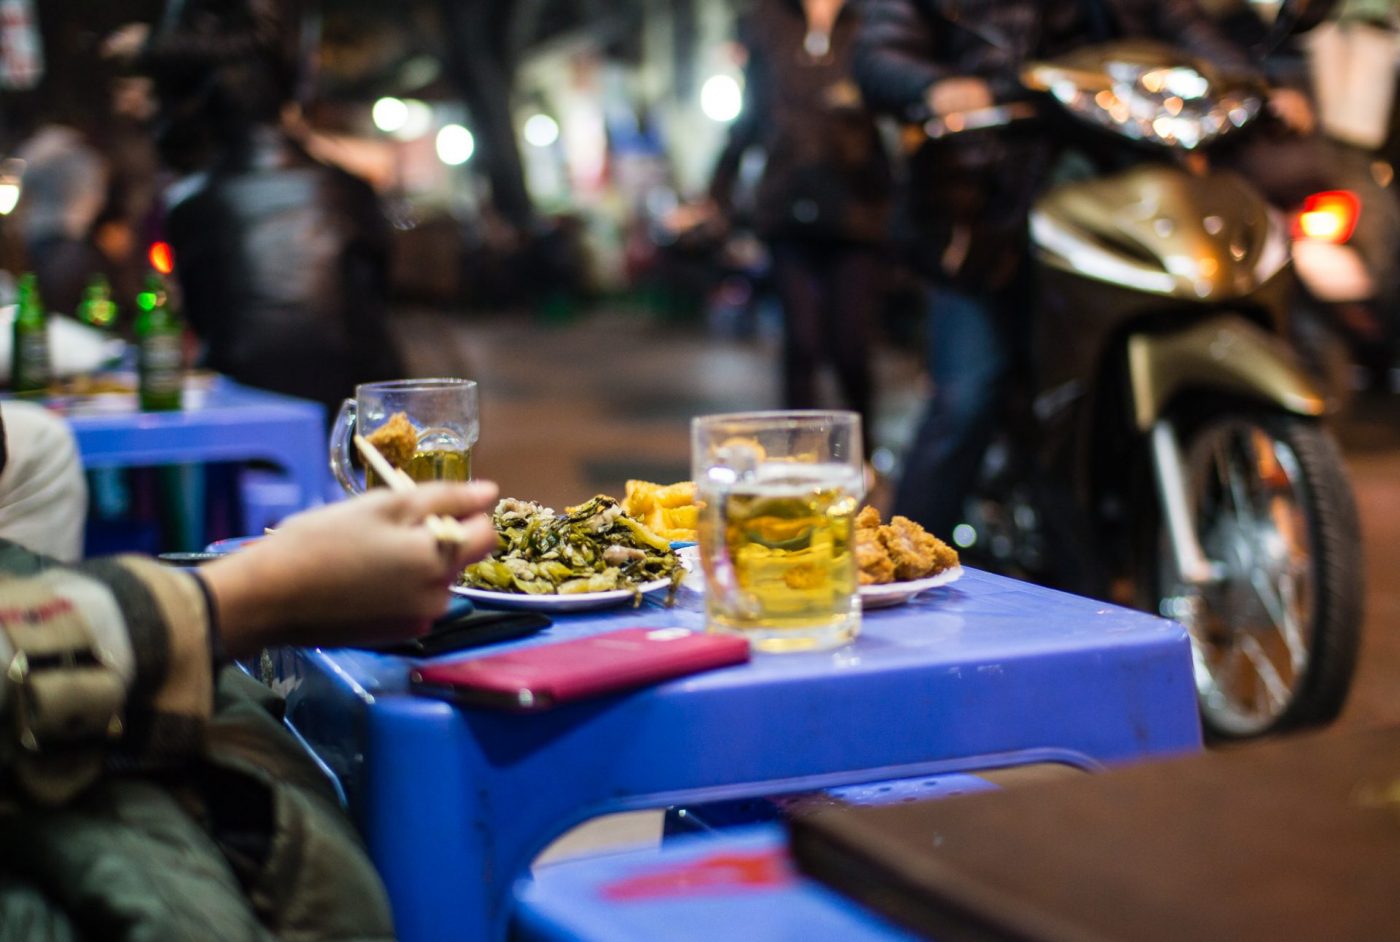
(342, 432)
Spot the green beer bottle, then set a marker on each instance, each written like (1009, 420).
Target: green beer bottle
(160, 362)
(97, 309)
(30, 367)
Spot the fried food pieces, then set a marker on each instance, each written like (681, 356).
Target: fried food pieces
(899, 551)
(396, 440)
(668, 510)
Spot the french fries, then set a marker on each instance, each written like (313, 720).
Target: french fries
(668, 510)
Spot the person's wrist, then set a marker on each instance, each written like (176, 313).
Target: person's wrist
(246, 603)
(218, 656)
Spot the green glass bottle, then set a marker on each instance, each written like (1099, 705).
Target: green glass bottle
(97, 309)
(30, 366)
(160, 362)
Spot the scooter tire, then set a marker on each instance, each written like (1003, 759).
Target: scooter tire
(1328, 509)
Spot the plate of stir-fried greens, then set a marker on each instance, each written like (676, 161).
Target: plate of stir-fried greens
(590, 556)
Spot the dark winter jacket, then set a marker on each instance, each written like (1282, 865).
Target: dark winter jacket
(283, 263)
(827, 174)
(145, 796)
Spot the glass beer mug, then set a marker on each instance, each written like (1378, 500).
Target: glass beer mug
(440, 415)
(778, 493)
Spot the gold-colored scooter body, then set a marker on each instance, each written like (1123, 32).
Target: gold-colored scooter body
(1228, 354)
(1207, 238)
(1188, 269)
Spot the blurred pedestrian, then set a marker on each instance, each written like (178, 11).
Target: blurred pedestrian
(282, 260)
(64, 188)
(823, 199)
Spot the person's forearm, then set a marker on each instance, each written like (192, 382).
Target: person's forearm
(741, 136)
(249, 598)
(359, 571)
(1183, 22)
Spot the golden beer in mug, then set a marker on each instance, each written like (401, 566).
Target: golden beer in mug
(431, 464)
(431, 425)
(778, 494)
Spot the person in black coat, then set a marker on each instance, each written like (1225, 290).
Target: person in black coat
(283, 264)
(822, 202)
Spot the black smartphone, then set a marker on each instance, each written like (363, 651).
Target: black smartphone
(186, 560)
(469, 630)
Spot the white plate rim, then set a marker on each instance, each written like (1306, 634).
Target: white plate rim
(578, 601)
(893, 593)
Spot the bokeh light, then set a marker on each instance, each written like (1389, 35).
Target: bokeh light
(161, 257)
(417, 121)
(455, 145)
(721, 98)
(541, 130)
(389, 114)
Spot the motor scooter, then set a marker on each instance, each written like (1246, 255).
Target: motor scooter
(1172, 452)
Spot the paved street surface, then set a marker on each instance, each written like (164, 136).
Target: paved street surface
(574, 410)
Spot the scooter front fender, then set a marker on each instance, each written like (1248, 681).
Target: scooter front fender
(1226, 354)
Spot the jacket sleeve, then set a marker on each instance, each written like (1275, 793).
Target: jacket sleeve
(105, 664)
(747, 129)
(894, 58)
(1185, 24)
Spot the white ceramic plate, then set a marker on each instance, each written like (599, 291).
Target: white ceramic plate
(871, 596)
(577, 602)
(897, 593)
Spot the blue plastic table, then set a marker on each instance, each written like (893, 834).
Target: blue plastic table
(226, 422)
(455, 802)
(740, 885)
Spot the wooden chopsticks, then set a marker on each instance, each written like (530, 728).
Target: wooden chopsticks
(446, 530)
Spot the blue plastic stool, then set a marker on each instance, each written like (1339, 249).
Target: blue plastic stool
(738, 885)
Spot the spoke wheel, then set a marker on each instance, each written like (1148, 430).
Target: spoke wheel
(1274, 637)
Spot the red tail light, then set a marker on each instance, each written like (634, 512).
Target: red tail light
(161, 257)
(1328, 217)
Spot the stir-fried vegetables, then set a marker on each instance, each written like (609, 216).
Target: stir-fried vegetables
(593, 547)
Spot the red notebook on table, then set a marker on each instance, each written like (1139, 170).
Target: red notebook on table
(1297, 839)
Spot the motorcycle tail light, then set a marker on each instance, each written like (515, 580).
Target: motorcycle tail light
(1328, 217)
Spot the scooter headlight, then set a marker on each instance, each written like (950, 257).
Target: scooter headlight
(1174, 107)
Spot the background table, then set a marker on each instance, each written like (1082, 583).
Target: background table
(455, 803)
(225, 422)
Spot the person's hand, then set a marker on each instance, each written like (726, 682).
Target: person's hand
(362, 571)
(963, 93)
(692, 216)
(1293, 108)
(126, 42)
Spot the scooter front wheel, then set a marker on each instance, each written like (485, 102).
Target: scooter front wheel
(1275, 633)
